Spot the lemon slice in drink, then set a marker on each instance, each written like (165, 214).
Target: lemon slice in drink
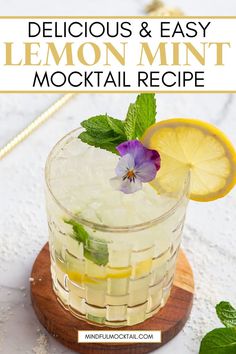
(195, 146)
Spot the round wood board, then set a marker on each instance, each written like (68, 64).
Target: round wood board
(64, 327)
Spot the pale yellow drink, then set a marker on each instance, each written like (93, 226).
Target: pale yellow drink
(113, 255)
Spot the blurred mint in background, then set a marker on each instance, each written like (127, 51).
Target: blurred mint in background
(221, 340)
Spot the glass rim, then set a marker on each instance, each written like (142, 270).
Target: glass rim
(104, 227)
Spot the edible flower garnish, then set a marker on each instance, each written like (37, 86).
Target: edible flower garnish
(137, 165)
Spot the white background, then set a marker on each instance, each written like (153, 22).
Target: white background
(209, 239)
(21, 78)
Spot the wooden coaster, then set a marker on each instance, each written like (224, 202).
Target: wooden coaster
(64, 327)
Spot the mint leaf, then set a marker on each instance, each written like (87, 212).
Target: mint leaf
(226, 313)
(98, 124)
(104, 125)
(94, 249)
(104, 132)
(130, 122)
(80, 234)
(146, 110)
(107, 143)
(140, 116)
(219, 341)
(116, 125)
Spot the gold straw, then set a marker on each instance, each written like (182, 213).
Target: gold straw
(35, 124)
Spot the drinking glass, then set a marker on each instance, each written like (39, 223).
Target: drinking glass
(113, 273)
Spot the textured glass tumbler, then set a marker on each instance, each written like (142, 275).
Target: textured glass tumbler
(106, 275)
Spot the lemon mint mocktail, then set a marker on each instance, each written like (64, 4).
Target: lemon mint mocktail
(116, 195)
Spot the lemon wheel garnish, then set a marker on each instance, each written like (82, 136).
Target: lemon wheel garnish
(196, 146)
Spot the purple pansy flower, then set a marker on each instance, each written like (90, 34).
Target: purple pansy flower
(136, 165)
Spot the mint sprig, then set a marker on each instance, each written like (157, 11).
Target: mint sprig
(221, 340)
(94, 250)
(107, 132)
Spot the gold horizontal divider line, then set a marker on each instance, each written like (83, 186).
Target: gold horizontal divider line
(120, 91)
(29, 129)
(115, 17)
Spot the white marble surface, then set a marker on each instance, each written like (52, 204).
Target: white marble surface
(209, 238)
